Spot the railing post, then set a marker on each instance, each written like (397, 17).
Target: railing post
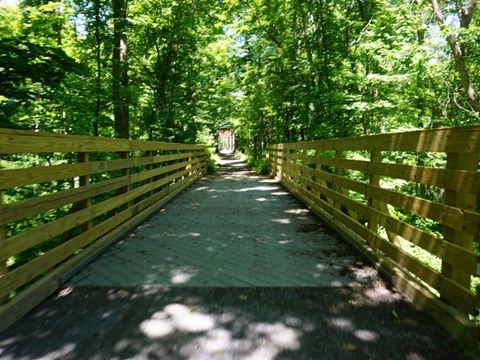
(463, 201)
(124, 189)
(338, 172)
(274, 159)
(191, 156)
(149, 167)
(295, 168)
(3, 262)
(376, 157)
(84, 181)
(79, 181)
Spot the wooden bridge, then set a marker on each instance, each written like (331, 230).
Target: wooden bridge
(81, 194)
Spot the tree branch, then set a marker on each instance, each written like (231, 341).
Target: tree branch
(458, 56)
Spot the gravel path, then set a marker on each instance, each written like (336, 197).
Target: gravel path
(233, 268)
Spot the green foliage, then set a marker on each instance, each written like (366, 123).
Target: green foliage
(213, 162)
(212, 167)
(277, 71)
(30, 71)
(261, 167)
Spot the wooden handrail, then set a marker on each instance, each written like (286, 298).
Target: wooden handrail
(77, 195)
(359, 207)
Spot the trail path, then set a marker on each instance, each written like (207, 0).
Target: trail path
(233, 229)
(233, 268)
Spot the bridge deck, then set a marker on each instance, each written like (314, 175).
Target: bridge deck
(233, 268)
(235, 229)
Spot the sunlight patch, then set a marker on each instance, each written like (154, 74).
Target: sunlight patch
(258, 188)
(269, 181)
(382, 295)
(181, 276)
(61, 353)
(280, 193)
(366, 335)
(342, 324)
(296, 211)
(282, 221)
(321, 267)
(157, 327)
(185, 319)
(281, 336)
(175, 317)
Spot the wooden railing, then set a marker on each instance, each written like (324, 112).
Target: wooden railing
(348, 182)
(65, 197)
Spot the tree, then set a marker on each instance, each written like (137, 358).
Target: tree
(120, 92)
(29, 71)
(465, 12)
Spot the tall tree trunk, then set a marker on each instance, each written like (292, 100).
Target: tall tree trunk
(465, 15)
(260, 137)
(120, 69)
(59, 25)
(98, 80)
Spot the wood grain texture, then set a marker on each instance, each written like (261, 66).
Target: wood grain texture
(461, 297)
(464, 139)
(161, 171)
(319, 173)
(36, 175)
(37, 142)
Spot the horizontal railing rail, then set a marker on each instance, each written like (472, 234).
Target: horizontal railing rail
(408, 200)
(64, 197)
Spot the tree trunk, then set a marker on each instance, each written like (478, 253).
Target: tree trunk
(260, 132)
(98, 80)
(457, 51)
(120, 69)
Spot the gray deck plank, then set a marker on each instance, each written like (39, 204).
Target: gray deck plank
(233, 229)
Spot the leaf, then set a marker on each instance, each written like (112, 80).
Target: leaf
(349, 347)
(396, 319)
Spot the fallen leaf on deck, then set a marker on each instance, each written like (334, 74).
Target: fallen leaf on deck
(349, 347)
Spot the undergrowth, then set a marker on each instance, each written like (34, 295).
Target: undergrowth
(212, 164)
(260, 166)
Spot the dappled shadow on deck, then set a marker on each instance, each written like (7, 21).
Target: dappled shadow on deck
(225, 323)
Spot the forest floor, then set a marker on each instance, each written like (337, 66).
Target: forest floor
(233, 268)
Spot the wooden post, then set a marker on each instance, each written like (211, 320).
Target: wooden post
(463, 201)
(3, 262)
(376, 156)
(295, 171)
(125, 189)
(80, 205)
(149, 167)
(85, 181)
(338, 172)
